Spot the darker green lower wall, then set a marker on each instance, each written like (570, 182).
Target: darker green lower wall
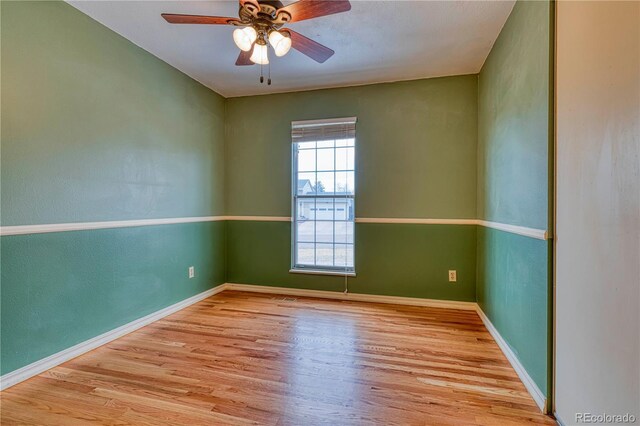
(513, 292)
(391, 259)
(59, 289)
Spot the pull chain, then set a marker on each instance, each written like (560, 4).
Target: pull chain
(269, 80)
(261, 77)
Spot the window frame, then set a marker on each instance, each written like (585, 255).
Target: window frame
(320, 269)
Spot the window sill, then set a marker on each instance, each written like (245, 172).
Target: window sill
(321, 272)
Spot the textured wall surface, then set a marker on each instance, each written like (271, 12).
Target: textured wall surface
(514, 175)
(415, 158)
(598, 211)
(513, 124)
(94, 128)
(60, 289)
(397, 260)
(512, 292)
(415, 153)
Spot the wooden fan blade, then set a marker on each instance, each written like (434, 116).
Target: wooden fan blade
(243, 57)
(308, 9)
(172, 18)
(275, 3)
(312, 49)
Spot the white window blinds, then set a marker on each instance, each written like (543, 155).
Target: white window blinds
(322, 130)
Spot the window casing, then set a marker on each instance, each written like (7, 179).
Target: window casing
(323, 199)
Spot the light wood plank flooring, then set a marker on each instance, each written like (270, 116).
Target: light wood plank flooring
(244, 358)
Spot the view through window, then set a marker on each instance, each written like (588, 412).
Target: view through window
(323, 195)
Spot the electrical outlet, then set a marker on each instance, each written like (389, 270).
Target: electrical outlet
(192, 272)
(453, 276)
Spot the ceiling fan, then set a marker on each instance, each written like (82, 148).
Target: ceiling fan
(261, 23)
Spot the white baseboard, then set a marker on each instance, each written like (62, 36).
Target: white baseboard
(558, 419)
(528, 382)
(51, 361)
(323, 294)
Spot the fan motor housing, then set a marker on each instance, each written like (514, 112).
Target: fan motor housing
(266, 17)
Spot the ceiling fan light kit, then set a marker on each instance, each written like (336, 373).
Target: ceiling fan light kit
(280, 43)
(244, 38)
(261, 23)
(260, 54)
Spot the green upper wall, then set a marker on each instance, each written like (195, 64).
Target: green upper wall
(415, 152)
(513, 121)
(95, 128)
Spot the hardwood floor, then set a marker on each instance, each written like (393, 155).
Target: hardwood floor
(246, 358)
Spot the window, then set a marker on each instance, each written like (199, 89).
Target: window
(323, 195)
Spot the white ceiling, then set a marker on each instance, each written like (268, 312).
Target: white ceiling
(377, 41)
